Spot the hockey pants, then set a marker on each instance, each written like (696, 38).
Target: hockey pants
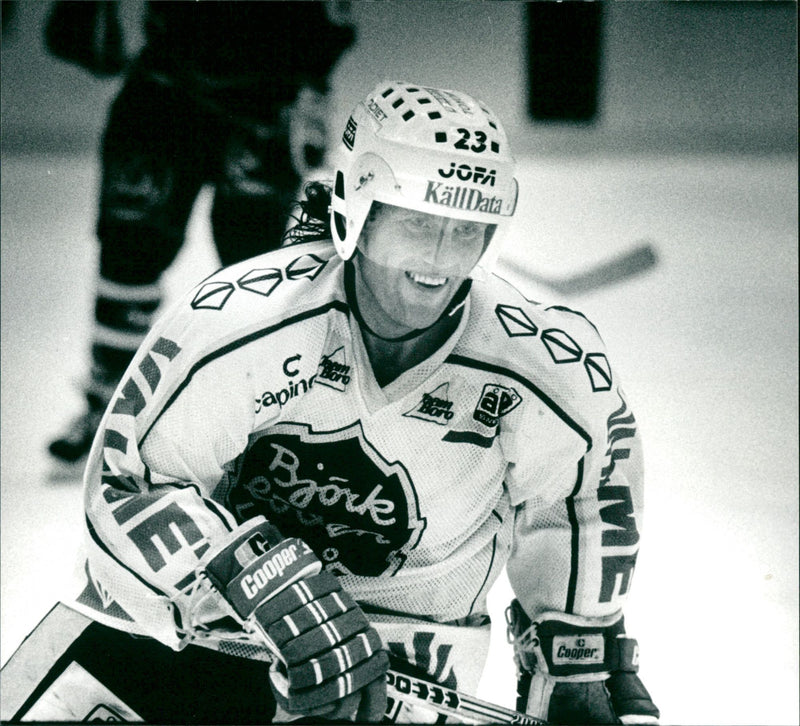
(160, 147)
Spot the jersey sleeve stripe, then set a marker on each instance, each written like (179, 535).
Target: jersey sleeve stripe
(572, 584)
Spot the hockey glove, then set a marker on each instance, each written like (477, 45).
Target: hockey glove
(570, 673)
(328, 659)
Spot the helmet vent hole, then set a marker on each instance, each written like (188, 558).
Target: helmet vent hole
(387, 92)
(399, 102)
(441, 137)
(408, 115)
(433, 115)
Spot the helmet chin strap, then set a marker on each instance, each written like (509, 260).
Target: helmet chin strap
(452, 311)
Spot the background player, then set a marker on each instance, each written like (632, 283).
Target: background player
(229, 94)
(407, 421)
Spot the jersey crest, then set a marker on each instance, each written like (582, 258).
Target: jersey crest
(357, 511)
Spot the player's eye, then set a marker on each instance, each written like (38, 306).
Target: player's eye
(468, 231)
(418, 224)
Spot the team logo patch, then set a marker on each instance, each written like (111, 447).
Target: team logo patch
(496, 401)
(333, 370)
(333, 489)
(435, 406)
(578, 650)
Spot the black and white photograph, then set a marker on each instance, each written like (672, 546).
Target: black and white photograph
(399, 361)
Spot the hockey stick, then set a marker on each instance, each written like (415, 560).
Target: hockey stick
(633, 262)
(454, 703)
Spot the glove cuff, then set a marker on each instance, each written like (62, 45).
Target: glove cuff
(565, 647)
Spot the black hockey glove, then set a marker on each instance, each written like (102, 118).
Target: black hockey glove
(569, 673)
(329, 660)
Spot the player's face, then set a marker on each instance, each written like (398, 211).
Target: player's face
(413, 262)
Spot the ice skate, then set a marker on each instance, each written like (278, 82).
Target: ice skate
(70, 449)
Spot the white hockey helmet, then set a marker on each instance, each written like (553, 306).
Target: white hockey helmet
(431, 150)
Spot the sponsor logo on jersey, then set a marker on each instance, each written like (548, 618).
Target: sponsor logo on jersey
(434, 406)
(496, 401)
(349, 135)
(616, 506)
(465, 172)
(292, 389)
(357, 511)
(458, 197)
(578, 650)
(333, 370)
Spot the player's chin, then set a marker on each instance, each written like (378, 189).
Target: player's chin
(419, 314)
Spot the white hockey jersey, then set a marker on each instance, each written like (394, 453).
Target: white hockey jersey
(512, 445)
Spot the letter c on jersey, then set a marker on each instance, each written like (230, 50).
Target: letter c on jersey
(293, 371)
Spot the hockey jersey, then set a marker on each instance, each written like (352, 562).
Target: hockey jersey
(513, 444)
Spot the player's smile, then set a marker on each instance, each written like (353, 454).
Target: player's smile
(432, 282)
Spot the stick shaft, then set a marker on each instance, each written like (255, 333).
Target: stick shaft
(609, 272)
(447, 701)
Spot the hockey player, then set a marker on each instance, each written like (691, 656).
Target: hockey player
(329, 452)
(227, 94)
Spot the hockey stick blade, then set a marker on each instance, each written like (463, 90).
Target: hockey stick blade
(628, 264)
(454, 703)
